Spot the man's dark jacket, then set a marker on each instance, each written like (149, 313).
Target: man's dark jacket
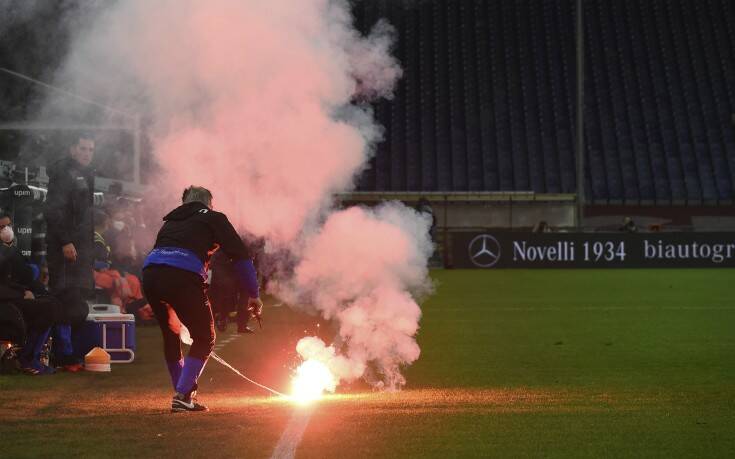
(194, 227)
(69, 218)
(16, 277)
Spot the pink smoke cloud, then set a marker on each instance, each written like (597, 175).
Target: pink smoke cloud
(361, 270)
(253, 100)
(245, 94)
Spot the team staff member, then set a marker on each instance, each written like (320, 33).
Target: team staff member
(69, 240)
(173, 281)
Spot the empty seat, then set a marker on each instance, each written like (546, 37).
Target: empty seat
(487, 98)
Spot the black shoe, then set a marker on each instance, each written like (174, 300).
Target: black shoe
(182, 402)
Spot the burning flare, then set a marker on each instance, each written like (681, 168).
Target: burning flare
(311, 380)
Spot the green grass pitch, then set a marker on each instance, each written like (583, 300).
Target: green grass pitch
(515, 363)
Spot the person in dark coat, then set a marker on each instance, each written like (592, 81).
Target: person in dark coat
(70, 240)
(174, 276)
(226, 294)
(20, 288)
(223, 291)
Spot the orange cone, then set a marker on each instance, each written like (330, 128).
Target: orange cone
(97, 360)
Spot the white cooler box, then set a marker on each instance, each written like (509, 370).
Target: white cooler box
(107, 328)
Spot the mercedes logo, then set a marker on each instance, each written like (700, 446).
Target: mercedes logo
(484, 251)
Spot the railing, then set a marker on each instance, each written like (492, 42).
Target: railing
(454, 196)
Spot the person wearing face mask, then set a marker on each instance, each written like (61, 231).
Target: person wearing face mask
(20, 287)
(70, 240)
(119, 235)
(115, 286)
(7, 236)
(12, 262)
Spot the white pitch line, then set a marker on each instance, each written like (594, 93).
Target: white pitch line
(224, 342)
(229, 339)
(291, 437)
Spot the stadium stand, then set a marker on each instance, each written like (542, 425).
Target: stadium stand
(487, 99)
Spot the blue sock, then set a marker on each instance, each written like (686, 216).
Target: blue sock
(193, 367)
(174, 369)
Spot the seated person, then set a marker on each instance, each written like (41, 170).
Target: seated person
(122, 288)
(118, 233)
(20, 288)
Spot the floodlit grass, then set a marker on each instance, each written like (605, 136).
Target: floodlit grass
(570, 363)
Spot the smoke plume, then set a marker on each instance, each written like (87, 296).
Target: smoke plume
(256, 101)
(361, 270)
